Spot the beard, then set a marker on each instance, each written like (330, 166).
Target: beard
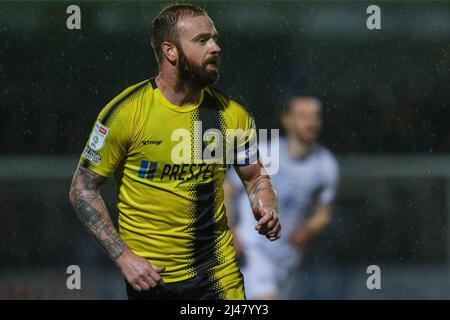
(308, 138)
(198, 73)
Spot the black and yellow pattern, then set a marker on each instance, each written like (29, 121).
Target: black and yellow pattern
(172, 213)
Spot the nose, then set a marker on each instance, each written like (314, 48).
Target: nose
(215, 47)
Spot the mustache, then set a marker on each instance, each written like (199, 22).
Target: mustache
(214, 59)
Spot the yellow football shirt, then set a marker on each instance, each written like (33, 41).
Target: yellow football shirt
(169, 163)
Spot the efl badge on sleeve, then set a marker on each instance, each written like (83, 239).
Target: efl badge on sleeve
(98, 136)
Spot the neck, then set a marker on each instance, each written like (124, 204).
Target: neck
(298, 149)
(178, 92)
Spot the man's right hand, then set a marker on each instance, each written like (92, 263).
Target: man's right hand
(139, 273)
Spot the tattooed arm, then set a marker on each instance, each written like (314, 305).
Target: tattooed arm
(263, 199)
(92, 212)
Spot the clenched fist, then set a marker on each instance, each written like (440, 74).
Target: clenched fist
(139, 272)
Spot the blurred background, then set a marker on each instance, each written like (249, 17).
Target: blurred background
(386, 98)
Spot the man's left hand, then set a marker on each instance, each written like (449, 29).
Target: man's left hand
(268, 223)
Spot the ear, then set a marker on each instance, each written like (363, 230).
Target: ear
(170, 51)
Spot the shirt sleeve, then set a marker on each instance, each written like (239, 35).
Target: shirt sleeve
(109, 140)
(246, 150)
(328, 193)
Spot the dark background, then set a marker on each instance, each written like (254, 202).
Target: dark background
(386, 107)
(393, 82)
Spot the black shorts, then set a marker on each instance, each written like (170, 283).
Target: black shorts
(198, 288)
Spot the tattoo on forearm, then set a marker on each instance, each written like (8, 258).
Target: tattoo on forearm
(84, 195)
(254, 196)
(263, 184)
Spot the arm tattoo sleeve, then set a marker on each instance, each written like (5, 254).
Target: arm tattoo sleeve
(93, 213)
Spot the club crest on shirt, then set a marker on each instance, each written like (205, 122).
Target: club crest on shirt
(98, 136)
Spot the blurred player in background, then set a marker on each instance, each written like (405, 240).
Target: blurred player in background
(174, 241)
(306, 184)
